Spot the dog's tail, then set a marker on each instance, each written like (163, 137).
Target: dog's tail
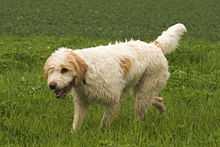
(168, 40)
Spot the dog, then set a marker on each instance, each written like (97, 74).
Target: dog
(103, 74)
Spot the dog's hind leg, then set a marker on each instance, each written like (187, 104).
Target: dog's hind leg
(80, 110)
(147, 92)
(110, 114)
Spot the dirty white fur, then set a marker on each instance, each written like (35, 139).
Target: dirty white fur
(105, 81)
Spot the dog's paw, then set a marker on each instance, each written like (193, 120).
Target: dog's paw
(158, 103)
(73, 131)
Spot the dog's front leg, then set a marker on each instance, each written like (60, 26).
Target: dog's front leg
(80, 110)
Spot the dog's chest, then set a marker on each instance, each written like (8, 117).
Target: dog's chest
(100, 90)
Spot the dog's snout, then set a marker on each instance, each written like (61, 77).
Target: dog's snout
(53, 85)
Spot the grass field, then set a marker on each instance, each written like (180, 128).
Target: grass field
(30, 30)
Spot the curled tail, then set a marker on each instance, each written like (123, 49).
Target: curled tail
(168, 40)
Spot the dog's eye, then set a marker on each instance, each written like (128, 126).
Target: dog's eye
(64, 70)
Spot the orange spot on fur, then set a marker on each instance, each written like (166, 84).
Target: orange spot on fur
(125, 64)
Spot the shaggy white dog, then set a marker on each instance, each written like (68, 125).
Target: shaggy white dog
(102, 74)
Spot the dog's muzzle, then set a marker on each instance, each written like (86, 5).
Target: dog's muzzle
(61, 92)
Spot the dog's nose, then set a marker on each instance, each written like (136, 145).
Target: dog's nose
(53, 85)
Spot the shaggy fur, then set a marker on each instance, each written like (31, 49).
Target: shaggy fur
(102, 74)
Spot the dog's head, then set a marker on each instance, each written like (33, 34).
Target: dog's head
(64, 70)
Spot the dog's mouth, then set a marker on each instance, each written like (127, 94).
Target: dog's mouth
(62, 92)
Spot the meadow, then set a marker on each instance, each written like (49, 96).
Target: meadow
(31, 30)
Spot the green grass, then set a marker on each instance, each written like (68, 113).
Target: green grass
(113, 19)
(31, 30)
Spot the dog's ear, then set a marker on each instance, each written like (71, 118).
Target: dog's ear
(45, 70)
(78, 64)
(47, 67)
